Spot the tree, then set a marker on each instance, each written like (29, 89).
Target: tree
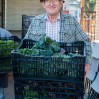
(90, 5)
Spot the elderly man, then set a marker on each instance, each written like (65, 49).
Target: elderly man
(60, 26)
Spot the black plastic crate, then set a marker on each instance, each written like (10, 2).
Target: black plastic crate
(52, 68)
(26, 20)
(6, 46)
(48, 89)
(3, 80)
(93, 94)
(64, 76)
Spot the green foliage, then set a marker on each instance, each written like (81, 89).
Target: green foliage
(90, 5)
(44, 47)
(27, 51)
(30, 94)
(6, 46)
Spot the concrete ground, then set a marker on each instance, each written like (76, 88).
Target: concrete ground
(1, 93)
(9, 91)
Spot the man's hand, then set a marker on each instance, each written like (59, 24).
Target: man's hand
(87, 69)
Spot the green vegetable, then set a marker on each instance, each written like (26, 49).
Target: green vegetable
(6, 46)
(31, 94)
(44, 47)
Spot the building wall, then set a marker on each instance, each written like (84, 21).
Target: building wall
(97, 21)
(16, 8)
(0, 5)
(75, 11)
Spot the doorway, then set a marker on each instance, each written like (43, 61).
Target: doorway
(2, 13)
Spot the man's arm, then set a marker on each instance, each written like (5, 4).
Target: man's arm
(30, 30)
(82, 36)
(87, 69)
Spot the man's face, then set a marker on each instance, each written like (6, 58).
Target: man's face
(52, 7)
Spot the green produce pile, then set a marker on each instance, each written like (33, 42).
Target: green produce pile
(30, 93)
(6, 46)
(34, 95)
(46, 47)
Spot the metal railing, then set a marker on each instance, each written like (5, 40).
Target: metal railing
(88, 22)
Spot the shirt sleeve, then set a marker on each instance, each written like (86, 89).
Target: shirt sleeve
(30, 30)
(82, 36)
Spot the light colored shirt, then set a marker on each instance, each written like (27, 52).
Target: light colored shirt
(4, 33)
(52, 29)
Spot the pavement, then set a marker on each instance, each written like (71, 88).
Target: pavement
(9, 91)
(1, 93)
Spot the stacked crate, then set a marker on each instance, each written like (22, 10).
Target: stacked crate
(26, 21)
(6, 46)
(39, 77)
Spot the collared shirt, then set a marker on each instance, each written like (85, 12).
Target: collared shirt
(53, 28)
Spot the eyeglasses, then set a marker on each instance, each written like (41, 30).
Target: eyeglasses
(49, 1)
